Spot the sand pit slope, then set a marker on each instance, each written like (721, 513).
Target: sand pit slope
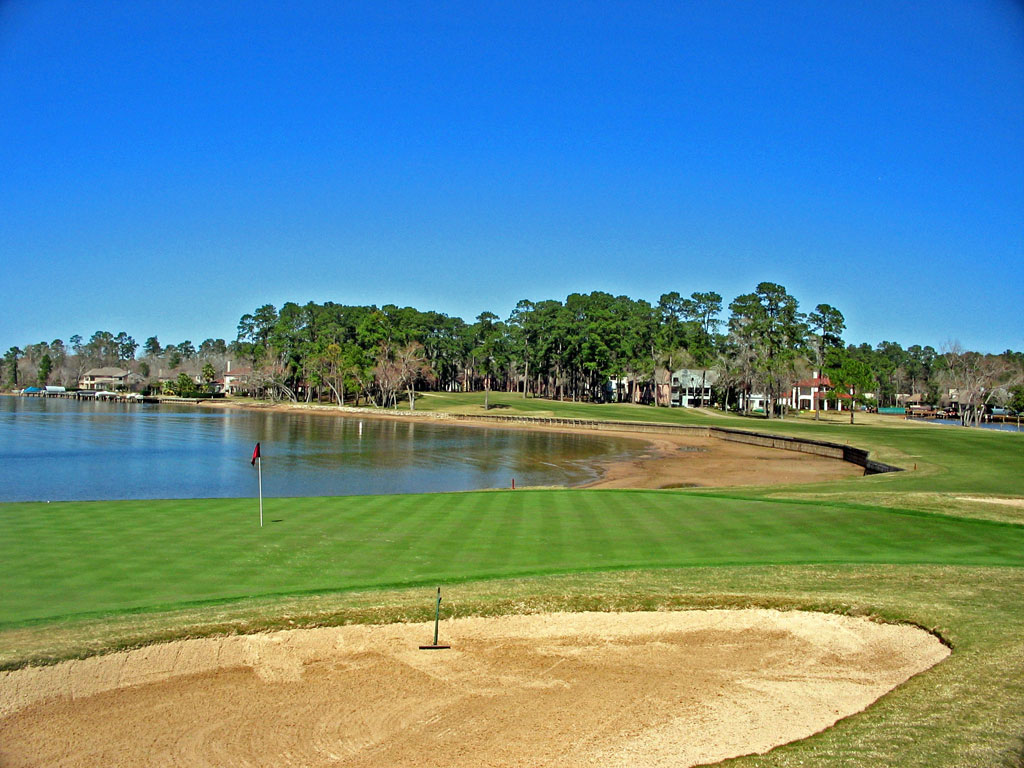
(674, 461)
(656, 689)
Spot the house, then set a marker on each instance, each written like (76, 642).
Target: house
(691, 387)
(108, 378)
(755, 401)
(236, 381)
(629, 390)
(907, 399)
(816, 392)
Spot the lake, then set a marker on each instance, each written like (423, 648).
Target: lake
(1010, 427)
(62, 450)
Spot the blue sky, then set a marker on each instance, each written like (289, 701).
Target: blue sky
(166, 167)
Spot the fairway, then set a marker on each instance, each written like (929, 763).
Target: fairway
(71, 559)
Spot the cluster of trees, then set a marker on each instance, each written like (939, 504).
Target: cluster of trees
(58, 363)
(600, 347)
(567, 349)
(40, 363)
(206, 360)
(595, 347)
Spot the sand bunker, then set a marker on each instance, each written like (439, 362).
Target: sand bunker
(674, 461)
(993, 500)
(655, 689)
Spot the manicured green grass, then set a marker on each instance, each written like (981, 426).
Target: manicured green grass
(502, 403)
(71, 558)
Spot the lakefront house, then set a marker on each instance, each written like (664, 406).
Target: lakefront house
(107, 378)
(816, 392)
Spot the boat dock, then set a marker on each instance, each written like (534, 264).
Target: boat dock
(105, 395)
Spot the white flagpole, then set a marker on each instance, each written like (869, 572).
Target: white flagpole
(259, 471)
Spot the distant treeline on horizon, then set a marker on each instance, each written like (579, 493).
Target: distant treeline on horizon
(562, 349)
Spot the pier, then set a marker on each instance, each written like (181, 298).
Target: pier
(106, 396)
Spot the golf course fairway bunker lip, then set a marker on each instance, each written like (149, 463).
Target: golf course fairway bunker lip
(569, 689)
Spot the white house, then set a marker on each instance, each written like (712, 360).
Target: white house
(810, 394)
(236, 381)
(755, 401)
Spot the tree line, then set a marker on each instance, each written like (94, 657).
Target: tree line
(588, 347)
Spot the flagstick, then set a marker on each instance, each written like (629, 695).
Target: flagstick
(259, 471)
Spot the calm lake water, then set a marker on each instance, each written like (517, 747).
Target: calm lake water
(956, 423)
(59, 450)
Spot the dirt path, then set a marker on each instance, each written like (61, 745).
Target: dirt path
(653, 689)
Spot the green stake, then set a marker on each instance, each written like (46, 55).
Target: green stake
(437, 621)
(437, 614)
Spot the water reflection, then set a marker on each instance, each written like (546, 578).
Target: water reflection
(61, 450)
(1010, 426)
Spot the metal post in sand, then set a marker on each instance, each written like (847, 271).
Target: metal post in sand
(437, 620)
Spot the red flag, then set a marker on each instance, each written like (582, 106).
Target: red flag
(255, 454)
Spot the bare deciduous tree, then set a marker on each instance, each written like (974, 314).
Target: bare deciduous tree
(412, 364)
(977, 380)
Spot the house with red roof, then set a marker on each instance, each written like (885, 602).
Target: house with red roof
(817, 393)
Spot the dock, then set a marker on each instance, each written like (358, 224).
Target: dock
(107, 396)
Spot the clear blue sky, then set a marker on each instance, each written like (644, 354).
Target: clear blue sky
(166, 166)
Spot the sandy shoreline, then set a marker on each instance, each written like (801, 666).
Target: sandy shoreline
(660, 689)
(693, 462)
(668, 461)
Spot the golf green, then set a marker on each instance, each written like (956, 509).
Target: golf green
(84, 558)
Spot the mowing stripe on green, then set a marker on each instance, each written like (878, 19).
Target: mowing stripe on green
(75, 558)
